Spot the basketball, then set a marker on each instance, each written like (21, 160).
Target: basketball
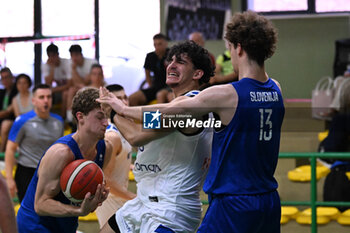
(80, 177)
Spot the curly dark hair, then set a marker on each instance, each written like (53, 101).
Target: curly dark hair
(197, 54)
(84, 101)
(255, 33)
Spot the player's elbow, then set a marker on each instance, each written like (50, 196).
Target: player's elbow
(38, 209)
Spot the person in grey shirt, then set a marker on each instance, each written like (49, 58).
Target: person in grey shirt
(32, 133)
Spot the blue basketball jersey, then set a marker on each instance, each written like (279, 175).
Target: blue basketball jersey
(27, 218)
(245, 152)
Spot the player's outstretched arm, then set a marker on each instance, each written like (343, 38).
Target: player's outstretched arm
(133, 132)
(50, 169)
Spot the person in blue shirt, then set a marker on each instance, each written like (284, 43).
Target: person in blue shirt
(240, 183)
(44, 207)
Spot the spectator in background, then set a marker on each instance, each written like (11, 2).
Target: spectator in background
(198, 38)
(79, 73)
(7, 213)
(56, 74)
(337, 183)
(117, 171)
(224, 72)
(32, 133)
(96, 76)
(6, 109)
(22, 102)
(155, 71)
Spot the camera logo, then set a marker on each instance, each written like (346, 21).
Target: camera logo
(151, 120)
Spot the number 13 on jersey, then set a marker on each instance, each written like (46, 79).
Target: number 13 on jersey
(265, 133)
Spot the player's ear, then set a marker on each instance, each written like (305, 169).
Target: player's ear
(79, 116)
(198, 74)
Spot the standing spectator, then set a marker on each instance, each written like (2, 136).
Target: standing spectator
(80, 75)
(117, 170)
(22, 102)
(32, 133)
(56, 74)
(7, 213)
(155, 70)
(6, 109)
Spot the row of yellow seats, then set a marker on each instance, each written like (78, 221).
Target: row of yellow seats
(324, 215)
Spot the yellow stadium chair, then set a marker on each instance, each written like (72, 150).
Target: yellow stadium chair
(13, 172)
(347, 174)
(303, 173)
(322, 135)
(17, 208)
(284, 219)
(290, 211)
(344, 218)
(152, 102)
(131, 176)
(324, 215)
(90, 217)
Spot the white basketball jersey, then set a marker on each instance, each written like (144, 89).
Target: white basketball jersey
(171, 170)
(120, 175)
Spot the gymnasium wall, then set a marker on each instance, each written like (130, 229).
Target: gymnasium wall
(305, 50)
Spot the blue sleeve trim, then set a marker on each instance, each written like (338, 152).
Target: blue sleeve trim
(18, 124)
(58, 117)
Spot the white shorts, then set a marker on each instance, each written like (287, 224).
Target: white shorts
(108, 208)
(138, 217)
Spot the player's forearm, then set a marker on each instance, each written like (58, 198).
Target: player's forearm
(10, 159)
(122, 192)
(54, 208)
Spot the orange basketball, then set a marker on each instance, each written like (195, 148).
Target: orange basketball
(80, 177)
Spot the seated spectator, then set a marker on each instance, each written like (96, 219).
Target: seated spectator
(155, 71)
(79, 73)
(56, 73)
(337, 184)
(96, 76)
(6, 109)
(22, 102)
(198, 38)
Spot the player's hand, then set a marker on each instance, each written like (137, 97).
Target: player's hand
(110, 99)
(12, 186)
(91, 202)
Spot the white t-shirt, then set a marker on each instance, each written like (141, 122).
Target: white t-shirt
(83, 70)
(61, 72)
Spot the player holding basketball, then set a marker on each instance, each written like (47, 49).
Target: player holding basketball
(240, 181)
(169, 171)
(44, 207)
(117, 171)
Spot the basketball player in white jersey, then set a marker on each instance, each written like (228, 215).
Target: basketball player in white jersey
(117, 171)
(169, 171)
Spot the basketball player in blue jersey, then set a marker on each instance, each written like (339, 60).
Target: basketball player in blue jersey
(240, 183)
(44, 207)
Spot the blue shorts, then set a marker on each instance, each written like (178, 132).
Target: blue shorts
(259, 213)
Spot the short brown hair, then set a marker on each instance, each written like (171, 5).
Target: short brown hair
(84, 101)
(256, 35)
